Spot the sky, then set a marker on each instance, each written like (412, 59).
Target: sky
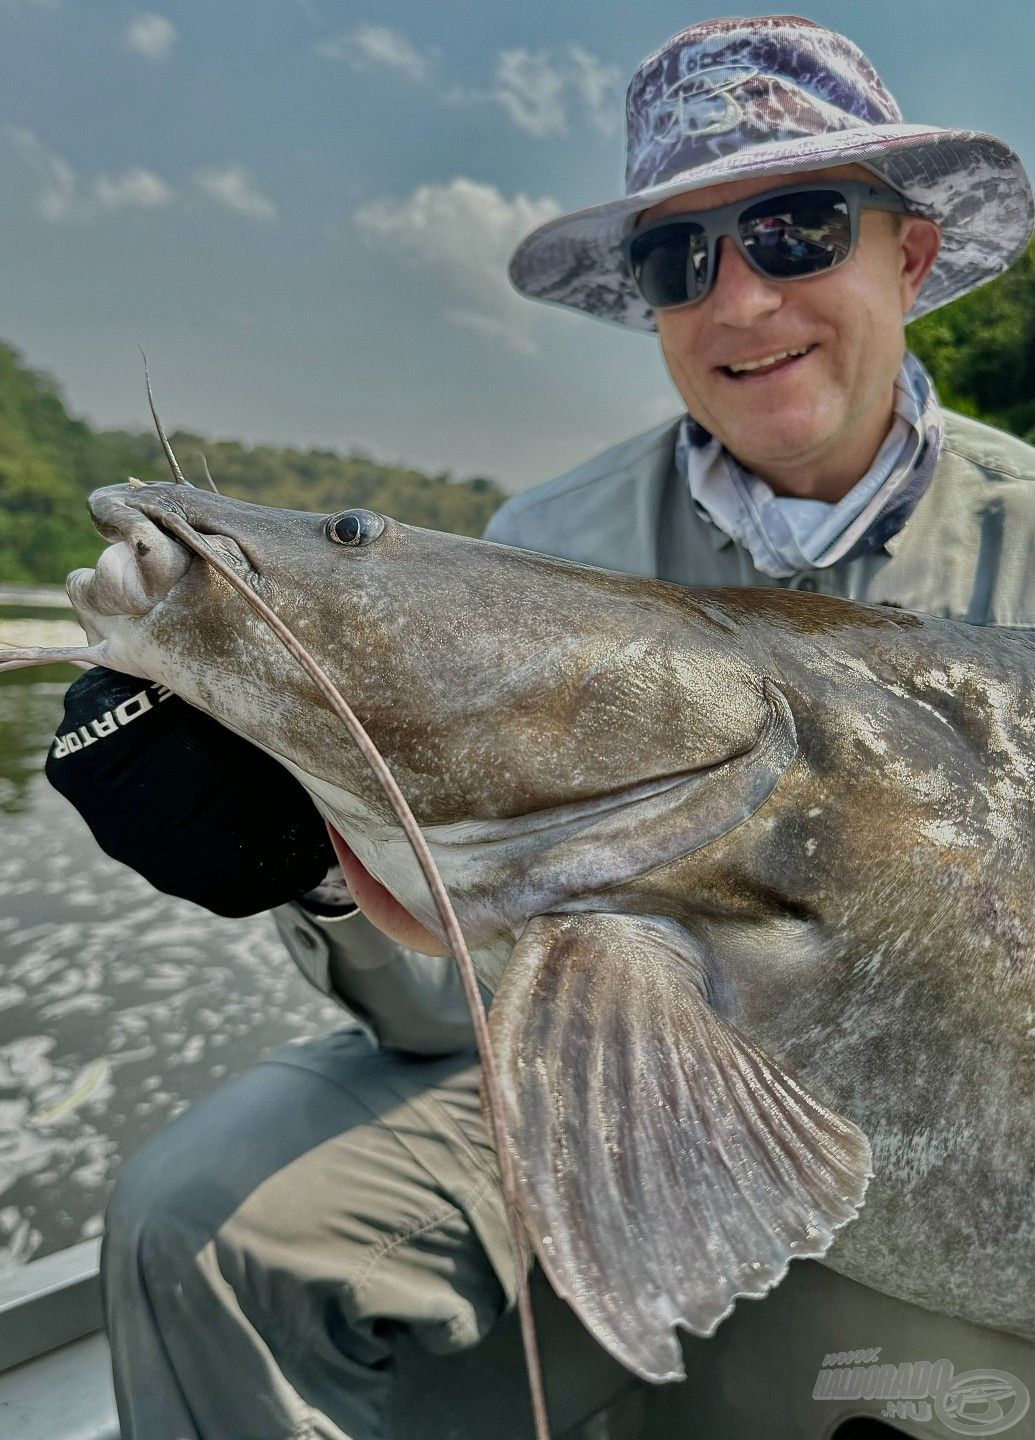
(303, 209)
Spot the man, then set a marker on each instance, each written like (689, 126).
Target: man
(266, 1253)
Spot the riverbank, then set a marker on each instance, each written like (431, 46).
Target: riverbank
(35, 597)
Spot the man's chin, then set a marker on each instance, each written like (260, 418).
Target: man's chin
(777, 443)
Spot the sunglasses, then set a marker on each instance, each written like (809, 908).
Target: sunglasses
(786, 234)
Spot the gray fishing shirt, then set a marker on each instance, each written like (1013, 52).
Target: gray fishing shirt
(965, 553)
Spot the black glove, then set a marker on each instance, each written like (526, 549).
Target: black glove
(196, 810)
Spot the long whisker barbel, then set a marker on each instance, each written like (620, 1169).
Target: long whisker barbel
(422, 853)
(415, 836)
(174, 465)
(447, 914)
(208, 474)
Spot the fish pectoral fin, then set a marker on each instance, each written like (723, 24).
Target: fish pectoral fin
(665, 1164)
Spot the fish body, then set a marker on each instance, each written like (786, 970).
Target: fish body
(750, 872)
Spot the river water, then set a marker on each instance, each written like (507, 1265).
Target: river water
(119, 1006)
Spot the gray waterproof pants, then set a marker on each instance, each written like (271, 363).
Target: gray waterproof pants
(272, 1253)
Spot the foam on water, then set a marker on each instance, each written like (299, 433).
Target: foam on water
(119, 1006)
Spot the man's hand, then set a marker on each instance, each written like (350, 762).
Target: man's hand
(196, 810)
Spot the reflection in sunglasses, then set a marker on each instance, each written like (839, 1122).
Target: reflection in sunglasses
(787, 234)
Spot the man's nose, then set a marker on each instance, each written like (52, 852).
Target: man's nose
(740, 296)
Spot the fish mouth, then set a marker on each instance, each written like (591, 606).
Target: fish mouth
(143, 563)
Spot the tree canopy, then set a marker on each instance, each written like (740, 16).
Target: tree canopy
(50, 461)
(323, 480)
(980, 350)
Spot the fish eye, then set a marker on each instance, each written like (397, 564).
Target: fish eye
(354, 527)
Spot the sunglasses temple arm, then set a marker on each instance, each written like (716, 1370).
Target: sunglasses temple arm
(885, 199)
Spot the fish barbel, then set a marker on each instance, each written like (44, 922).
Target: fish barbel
(750, 873)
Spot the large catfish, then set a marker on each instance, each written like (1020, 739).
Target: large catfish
(749, 872)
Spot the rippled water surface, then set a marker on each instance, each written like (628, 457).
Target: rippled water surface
(118, 1006)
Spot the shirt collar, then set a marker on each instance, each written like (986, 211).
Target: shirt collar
(881, 501)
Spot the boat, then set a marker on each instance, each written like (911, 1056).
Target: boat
(778, 1367)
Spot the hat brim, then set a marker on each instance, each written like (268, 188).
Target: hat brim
(972, 185)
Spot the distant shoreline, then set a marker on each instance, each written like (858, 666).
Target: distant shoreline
(50, 597)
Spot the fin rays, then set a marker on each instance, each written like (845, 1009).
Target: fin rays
(666, 1164)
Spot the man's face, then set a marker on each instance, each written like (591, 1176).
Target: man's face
(806, 415)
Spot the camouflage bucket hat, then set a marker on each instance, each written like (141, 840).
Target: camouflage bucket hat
(738, 98)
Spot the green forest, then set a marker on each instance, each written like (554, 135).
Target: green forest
(50, 461)
(980, 351)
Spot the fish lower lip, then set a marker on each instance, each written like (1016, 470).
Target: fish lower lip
(133, 574)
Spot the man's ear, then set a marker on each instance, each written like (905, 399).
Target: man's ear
(919, 242)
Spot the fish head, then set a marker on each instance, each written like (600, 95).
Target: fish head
(495, 681)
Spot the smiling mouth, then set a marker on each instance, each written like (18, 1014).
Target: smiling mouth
(767, 364)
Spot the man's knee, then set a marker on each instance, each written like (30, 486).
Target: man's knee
(202, 1168)
(156, 1209)
(180, 1188)
(327, 1188)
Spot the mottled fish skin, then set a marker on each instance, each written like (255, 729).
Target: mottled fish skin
(873, 928)
(867, 919)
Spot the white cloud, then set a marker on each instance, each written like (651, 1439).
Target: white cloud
(142, 188)
(366, 46)
(232, 186)
(64, 196)
(463, 233)
(540, 90)
(56, 197)
(599, 87)
(531, 90)
(152, 36)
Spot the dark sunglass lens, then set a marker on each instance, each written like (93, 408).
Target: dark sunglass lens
(670, 264)
(794, 235)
